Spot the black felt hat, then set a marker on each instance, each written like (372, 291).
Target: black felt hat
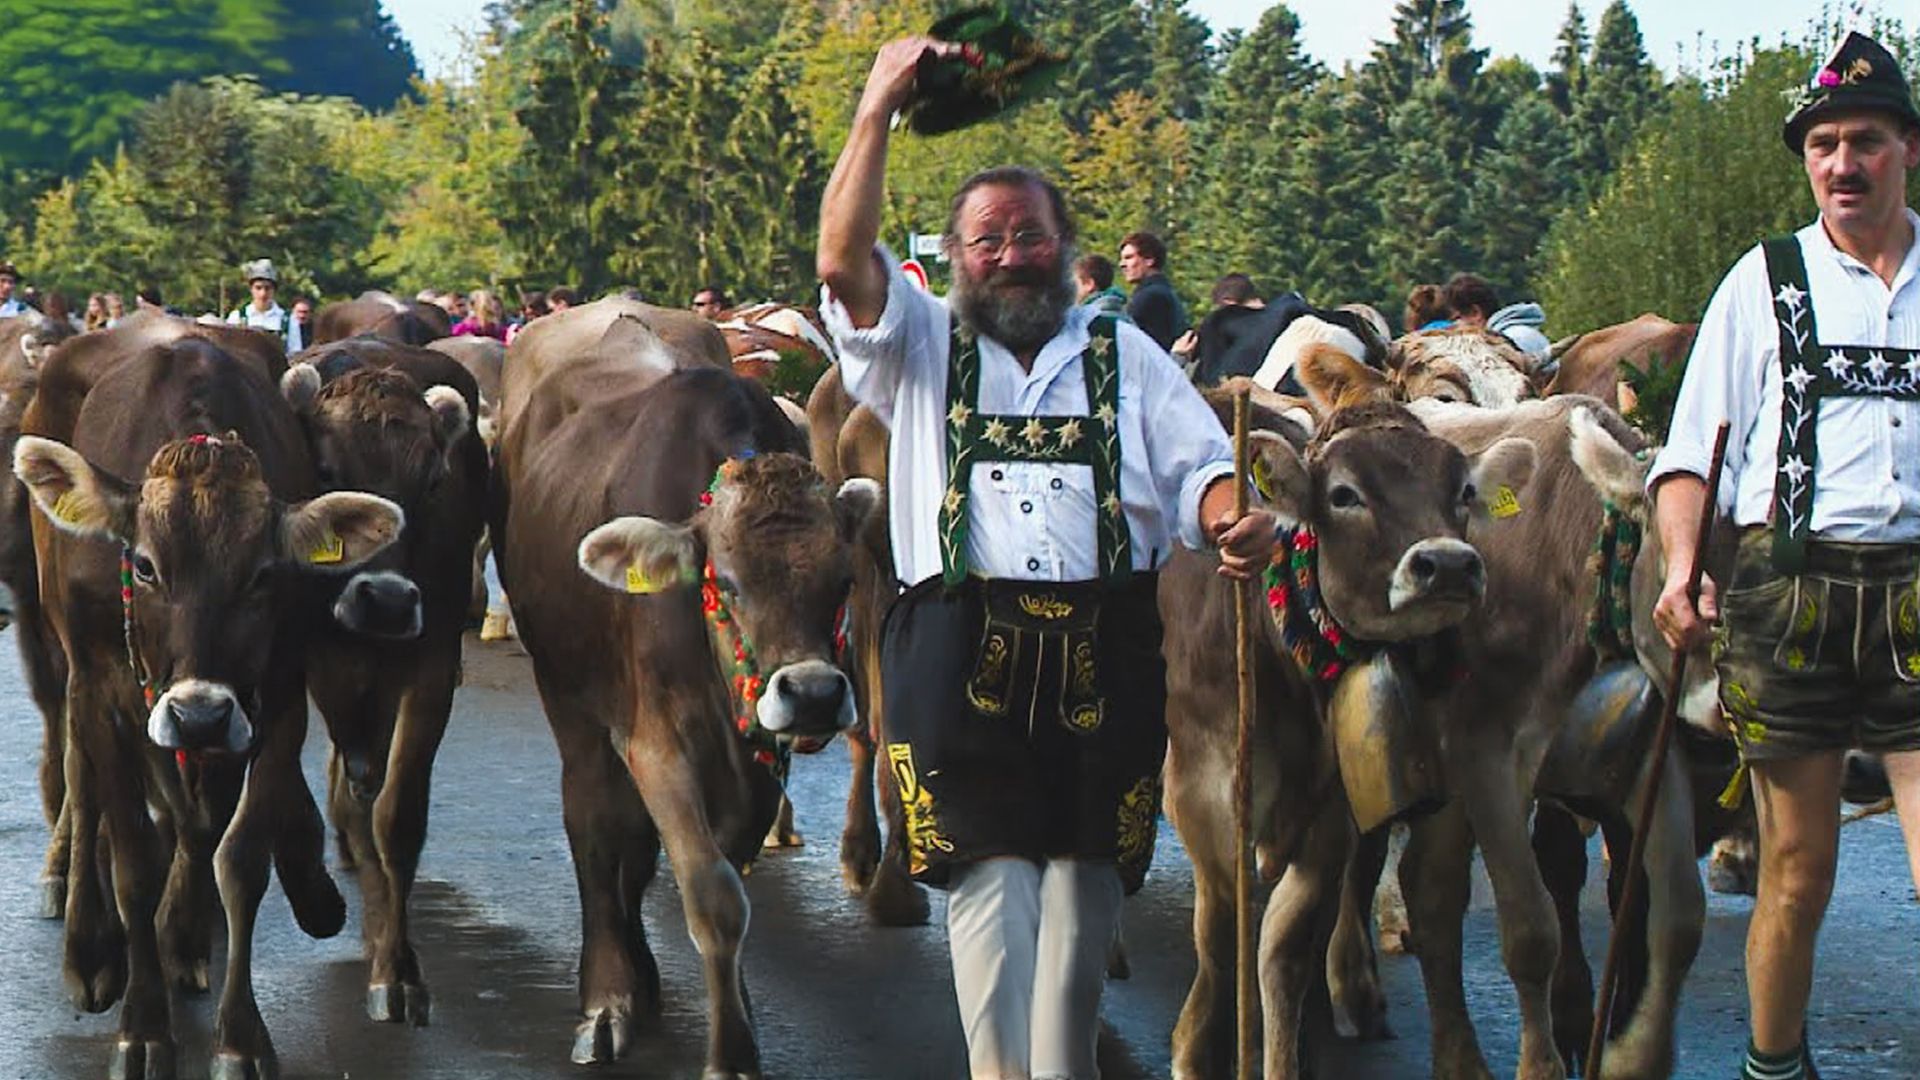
(1860, 74)
(1000, 66)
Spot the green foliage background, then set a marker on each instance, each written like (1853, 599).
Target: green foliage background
(666, 144)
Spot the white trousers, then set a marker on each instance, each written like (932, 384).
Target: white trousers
(1029, 947)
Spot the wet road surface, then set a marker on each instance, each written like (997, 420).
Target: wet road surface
(497, 927)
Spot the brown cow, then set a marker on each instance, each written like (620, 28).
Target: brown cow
(654, 340)
(1391, 506)
(381, 315)
(25, 343)
(1594, 363)
(603, 537)
(393, 420)
(1508, 741)
(484, 359)
(206, 649)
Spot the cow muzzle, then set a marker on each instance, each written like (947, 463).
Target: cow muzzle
(1445, 574)
(200, 717)
(381, 604)
(809, 699)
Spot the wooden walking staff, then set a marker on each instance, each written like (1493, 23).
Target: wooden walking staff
(1246, 993)
(1650, 798)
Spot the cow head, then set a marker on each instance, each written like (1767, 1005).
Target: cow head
(1391, 502)
(373, 429)
(209, 550)
(1466, 365)
(779, 545)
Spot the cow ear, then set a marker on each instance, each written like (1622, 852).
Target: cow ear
(1335, 380)
(340, 530)
(1280, 476)
(1611, 468)
(1500, 474)
(641, 555)
(450, 412)
(854, 504)
(74, 495)
(34, 349)
(300, 386)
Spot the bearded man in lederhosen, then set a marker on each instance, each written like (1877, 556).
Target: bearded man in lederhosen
(1045, 459)
(1811, 350)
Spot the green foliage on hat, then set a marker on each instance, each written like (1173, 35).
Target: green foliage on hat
(1003, 67)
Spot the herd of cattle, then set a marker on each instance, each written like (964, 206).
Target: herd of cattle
(206, 533)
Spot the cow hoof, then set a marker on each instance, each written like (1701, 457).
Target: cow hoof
(1729, 876)
(134, 1059)
(601, 1038)
(394, 1003)
(53, 898)
(777, 839)
(893, 900)
(95, 987)
(229, 1065)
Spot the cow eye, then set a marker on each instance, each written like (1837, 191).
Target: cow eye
(143, 570)
(1343, 497)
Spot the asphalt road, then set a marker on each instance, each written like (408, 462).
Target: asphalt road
(497, 928)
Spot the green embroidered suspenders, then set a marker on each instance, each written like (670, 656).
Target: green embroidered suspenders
(1810, 373)
(974, 437)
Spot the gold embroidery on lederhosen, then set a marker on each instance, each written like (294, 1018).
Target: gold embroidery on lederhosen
(923, 829)
(1139, 809)
(1903, 628)
(992, 680)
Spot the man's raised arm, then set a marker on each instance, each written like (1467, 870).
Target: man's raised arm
(850, 211)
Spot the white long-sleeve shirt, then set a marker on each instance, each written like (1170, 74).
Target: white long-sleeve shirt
(1027, 521)
(275, 320)
(1867, 479)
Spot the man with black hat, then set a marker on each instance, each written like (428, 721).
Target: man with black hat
(1810, 349)
(10, 305)
(1044, 460)
(264, 313)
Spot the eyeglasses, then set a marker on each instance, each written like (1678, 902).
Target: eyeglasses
(994, 245)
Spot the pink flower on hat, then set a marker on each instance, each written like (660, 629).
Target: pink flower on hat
(1828, 78)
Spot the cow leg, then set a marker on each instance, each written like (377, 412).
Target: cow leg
(187, 908)
(598, 805)
(1435, 877)
(1529, 935)
(45, 666)
(337, 791)
(276, 821)
(1353, 972)
(1561, 850)
(1676, 916)
(713, 897)
(782, 833)
(860, 838)
(94, 964)
(145, 1046)
(1287, 936)
(638, 865)
(396, 988)
(1202, 813)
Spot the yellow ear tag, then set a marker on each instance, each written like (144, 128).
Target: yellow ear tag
(638, 582)
(67, 507)
(1504, 504)
(331, 549)
(1263, 478)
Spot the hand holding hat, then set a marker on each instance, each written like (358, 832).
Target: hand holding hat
(998, 66)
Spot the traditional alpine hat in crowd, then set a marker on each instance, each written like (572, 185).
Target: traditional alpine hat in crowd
(7, 270)
(1001, 65)
(1860, 74)
(261, 270)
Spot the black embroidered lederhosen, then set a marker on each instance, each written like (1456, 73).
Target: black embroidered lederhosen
(1819, 642)
(1027, 717)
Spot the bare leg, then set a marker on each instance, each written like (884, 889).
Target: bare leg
(1903, 772)
(1798, 801)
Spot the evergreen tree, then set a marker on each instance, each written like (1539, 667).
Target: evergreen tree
(1337, 176)
(1107, 46)
(349, 48)
(1430, 37)
(1519, 185)
(1568, 79)
(1425, 233)
(1180, 57)
(1621, 88)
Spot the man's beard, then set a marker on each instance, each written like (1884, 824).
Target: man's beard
(1019, 307)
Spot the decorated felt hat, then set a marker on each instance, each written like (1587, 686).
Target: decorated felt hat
(1001, 65)
(262, 270)
(1859, 74)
